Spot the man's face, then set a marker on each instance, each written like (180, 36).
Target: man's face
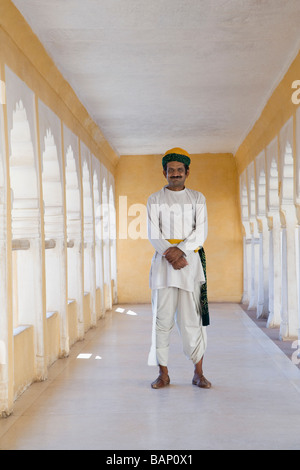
(176, 175)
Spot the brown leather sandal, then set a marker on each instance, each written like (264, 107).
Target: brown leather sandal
(201, 381)
(161, 382)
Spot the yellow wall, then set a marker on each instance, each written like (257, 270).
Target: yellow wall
(214, 175)
(277, 111)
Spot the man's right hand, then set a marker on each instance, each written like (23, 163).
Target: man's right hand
(180, 263)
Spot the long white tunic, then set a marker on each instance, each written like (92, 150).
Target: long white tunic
(180, 215)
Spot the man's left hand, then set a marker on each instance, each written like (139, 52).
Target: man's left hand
(173, 253)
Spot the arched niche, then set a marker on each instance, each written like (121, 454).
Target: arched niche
(87, 204)
(273, 205)
(289, 326)
(88, 229)
(263, 236)
(25, 214)
(23, 177)
(244, 202)
(254, 244)
(252, 197)
(297, 182)
(55, 268)
(2, 180)
(286, 159)
(75, 273)
(89, 238)
(54, 227)
(261, 190)
(6, 339)
(72, 197)
(105, 213)
(261, 199)
(113, 238)
(27, 266)
(100, 307)
(52, 188)
(287, 196)
(275, 271)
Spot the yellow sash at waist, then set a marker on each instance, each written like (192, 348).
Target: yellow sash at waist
(175, 241)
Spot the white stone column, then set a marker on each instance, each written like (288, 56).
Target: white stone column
(246, 264)
(289, 297)
(289, 308)
(263, 270)
(97, 190)
(54, 220)
(106, 239)
(244, 203)
(275, 272)
(89, 231)
(6, 324)
(254, 266)
(74, 226)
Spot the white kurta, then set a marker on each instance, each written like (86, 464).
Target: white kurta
(180, 215)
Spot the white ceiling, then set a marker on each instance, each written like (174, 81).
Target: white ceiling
(156, 74)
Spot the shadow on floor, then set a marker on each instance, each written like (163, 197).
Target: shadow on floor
(289, 348)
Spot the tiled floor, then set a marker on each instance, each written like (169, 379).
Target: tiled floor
(103, 400)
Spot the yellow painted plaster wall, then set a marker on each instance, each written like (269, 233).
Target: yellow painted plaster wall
(215, 175)
(278, 109)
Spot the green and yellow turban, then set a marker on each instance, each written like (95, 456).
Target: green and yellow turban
(176, 155)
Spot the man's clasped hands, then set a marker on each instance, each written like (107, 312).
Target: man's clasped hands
(175, 257)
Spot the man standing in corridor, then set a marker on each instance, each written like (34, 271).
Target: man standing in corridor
(177, 229)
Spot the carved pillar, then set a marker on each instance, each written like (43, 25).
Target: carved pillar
(98, 237)
(6, 324)
(89, 235)
(275, 271)
(289, 298)
(263, 269)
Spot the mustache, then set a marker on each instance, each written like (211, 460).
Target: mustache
(175, 177)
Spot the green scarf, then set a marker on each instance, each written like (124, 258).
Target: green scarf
(203, 295)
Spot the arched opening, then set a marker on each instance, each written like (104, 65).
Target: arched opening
(274, 317)
(289, 293)
(89, 247)
(106, 246)
(27, 267)
(246, 242)
(263, 259)
(6, 345)
(74, 249)
(261, 200)
(288, 176)
(54, 245)
(25, 217)
(254, 270)
(252, 198)
(113, 247)
(98, 248)
(244, 203)
(273, 187)
(88, 229)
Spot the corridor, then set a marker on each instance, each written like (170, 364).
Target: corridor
(100, 396)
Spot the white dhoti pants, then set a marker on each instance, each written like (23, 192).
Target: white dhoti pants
(170, 304)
